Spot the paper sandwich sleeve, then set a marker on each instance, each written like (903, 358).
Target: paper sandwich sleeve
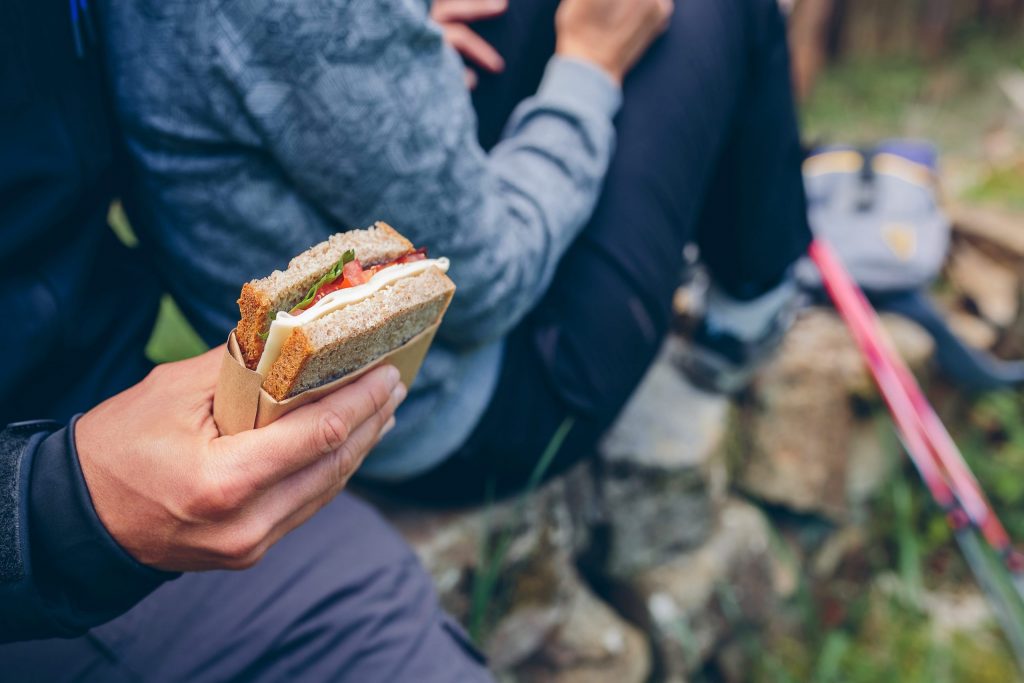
(240, 403)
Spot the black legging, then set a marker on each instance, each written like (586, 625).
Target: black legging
(707, 151)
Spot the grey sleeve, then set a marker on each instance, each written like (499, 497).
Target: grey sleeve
(363, 108)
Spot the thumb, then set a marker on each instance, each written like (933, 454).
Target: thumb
(313, 431)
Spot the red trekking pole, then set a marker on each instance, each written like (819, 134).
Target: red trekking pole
(935, 455)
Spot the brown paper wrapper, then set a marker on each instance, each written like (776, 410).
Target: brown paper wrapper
(240, 403)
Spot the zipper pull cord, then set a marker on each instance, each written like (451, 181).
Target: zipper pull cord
(90, 27)
(80, 15)
(75, 29)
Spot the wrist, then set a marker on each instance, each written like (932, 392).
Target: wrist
(583, 53)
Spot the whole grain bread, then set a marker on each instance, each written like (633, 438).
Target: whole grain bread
(346, 340)
(281, 290)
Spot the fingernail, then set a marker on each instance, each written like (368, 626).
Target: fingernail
(388, 426)
(392, 376)
(399, 393)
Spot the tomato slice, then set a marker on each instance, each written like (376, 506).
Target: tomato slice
(418, 255)
(354, 274)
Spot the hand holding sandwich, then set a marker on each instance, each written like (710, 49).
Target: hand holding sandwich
(177, 496)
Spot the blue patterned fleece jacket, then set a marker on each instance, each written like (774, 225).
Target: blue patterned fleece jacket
(258, 127)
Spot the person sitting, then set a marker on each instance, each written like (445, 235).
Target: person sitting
(563, 190)
(119, 497)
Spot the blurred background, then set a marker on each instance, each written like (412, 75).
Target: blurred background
(888, 597)
(945, 70)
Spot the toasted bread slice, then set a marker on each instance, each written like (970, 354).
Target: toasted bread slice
(346, 340)
(281, 290)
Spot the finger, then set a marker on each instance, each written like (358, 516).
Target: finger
(668, 8)
(294, 521)
(467, 10)
(471, 79)
(300, 438)
(313, 486)
(474, 48)
(301, 516)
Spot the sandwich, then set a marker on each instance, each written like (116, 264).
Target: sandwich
(339, 306)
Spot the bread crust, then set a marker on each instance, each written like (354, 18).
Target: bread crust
(281, 290)
(296, 353)
(255, 308)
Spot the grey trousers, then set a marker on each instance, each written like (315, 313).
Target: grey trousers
(342, 598)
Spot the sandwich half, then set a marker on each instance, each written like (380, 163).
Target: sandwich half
(339, 306)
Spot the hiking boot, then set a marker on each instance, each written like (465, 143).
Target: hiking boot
(736, 338)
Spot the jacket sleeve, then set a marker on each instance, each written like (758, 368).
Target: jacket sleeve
(60, 571)
(364, 108)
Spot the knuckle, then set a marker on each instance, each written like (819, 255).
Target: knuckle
(347, 461)
(379, 393)
(332, 432)
(214, 496)
(386, 400)
(241, 548)
(157, 375)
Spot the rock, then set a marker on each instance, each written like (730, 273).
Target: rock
(1011, 82)
(660, 471)
(974, 331)
(591, 645)
(527, 564)
(541, 621)
(694, 602)
(990, 287)
(914, 345)
(806, 448)
(837, 547)
(999, 233)
(951, 611)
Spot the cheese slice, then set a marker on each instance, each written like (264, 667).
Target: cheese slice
(284, 323)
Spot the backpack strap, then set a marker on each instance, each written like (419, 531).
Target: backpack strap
(867, 187)
(969, 368)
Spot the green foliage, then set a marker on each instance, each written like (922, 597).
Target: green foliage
(118, 221)
(863, 101)
(1004, 185)
(173, 338)
(993, 444)
(908, 547)
(892, 641)
(493, 551)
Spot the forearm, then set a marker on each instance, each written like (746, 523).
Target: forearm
(60, 572)
(544, 180)
(386, 131)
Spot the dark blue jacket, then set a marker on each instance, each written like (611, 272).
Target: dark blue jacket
(78, 307)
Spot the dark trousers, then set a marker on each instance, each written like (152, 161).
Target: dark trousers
(708, 151)
(342, 598)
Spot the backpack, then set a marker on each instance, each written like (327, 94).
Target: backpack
(879, 210)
